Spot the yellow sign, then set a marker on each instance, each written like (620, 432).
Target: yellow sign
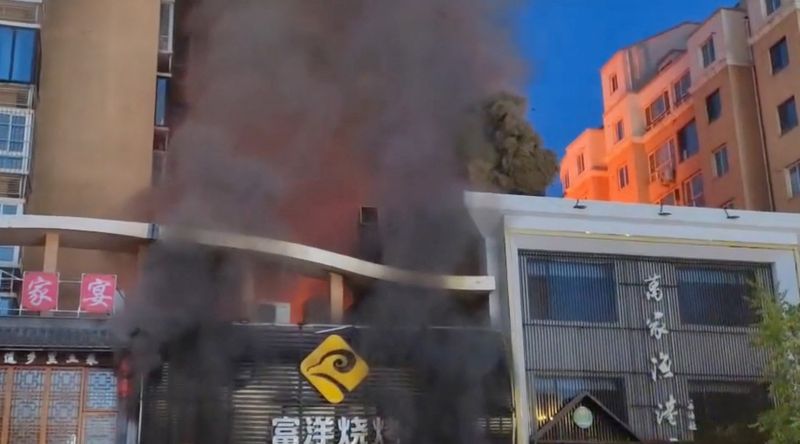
(334, 369)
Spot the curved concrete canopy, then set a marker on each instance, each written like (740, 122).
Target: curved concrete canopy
(112, 235)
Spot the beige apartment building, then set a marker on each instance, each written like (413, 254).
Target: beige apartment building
(702, 114)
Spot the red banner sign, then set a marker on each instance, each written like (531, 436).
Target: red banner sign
(39, 291)
(97, 293)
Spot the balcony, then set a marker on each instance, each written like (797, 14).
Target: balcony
(25, 12)
(16, 133)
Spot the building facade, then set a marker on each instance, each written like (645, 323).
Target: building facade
(643, 319)
(701, 114)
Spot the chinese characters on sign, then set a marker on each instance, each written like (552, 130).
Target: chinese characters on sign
(97, 293)
(39, 291)
(657, 326)
(654, 288)
(330, 430)
(49, 358)
(666, 412)
(662, 367)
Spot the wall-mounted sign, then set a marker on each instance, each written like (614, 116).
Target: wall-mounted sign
(334, 369)
(39, 291)
(583, 417)
(331, 430)
(47, 358)
(97, 293)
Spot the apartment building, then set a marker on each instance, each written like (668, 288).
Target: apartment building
(688, 118)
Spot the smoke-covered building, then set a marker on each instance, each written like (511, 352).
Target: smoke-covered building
(632, 323)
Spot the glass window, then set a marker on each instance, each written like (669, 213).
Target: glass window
(622, 177)
(165, 26)
(688, 144)
(658, 109)
(787, 114)
(779, 55)
(581, 164)
(8, 306)
(708, 52)
(725, 411)
(553, 393)
(715, 296)
(565, 180)
(161, 101)
(772, 5)
(620, 131)
(668, 199)
(682, 87)
(794, 180)
(693, 191)
(721, 161)
(17, 54)
(662, 162)
(571, 290)
(713, 106)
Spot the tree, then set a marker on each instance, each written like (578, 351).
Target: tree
(502, 151)
(779, 336)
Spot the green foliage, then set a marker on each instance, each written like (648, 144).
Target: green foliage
(779, 336)
(502, 151)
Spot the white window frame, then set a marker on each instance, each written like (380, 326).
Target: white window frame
(793, 167)
(689, 195)
(651, 118)
(708, 52)
(775, 7)
(20, 204)
(714, 163)
(581, 164)
(656, 163)
(25, 154)
(681, 94)
(165, 41)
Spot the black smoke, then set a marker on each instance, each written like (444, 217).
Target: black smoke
(289, 116)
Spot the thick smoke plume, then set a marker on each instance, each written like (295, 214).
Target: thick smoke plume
(295, 114)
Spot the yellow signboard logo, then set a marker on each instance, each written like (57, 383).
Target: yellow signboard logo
(334, 369)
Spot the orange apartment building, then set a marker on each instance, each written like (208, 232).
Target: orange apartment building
(702, 114)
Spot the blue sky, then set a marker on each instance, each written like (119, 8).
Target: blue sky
(567, 41)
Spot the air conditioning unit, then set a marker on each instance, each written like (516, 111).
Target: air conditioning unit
(666, 175)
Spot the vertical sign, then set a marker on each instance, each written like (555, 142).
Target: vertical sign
(39, 291)
(97, 293)
(661, 365)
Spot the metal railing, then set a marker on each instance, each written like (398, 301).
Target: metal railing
(17, 96)
(11, 282)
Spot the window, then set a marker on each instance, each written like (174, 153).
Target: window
(662, 162)
(721, 166)
(681, 88)
(669, 198)
(14, 140)
(619, 131)
(622, 177)
(161, 101)
(570, 290)
(693, 191)
(724, 410)
(708, 52)
(713, 106)
(787, 115)
(614, 83)
(688, 145)
(165, 26)
(554, 393)
(658, 109)
(565, 180)
(9, 254)
(17, 53)
(779, 55)
(772, 5)
(716, 295)
(581, 164)
(793, 173)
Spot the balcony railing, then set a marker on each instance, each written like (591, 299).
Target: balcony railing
(17, 96)
(29, 12)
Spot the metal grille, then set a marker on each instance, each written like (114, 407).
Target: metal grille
(716, 295)
(553, 393)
